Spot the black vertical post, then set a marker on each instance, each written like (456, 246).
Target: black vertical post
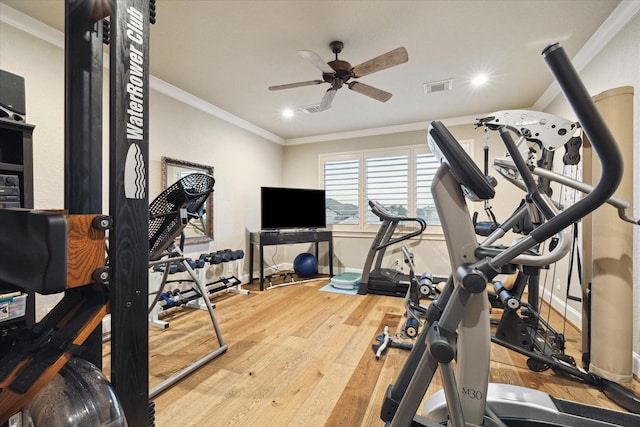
(83, 123)
(83, 109)
(129, 205)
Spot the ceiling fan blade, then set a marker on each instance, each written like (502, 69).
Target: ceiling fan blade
(327, 99)
(299, 84)
(316, 60)
(386, 60)
(370, 91)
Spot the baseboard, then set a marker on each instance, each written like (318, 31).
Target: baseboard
(573, 316)
(636, 364)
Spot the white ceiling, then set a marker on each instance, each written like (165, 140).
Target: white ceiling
(228, 52)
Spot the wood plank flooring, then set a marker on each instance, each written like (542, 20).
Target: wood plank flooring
(301, 357)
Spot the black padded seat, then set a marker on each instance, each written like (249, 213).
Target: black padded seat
(35, 250)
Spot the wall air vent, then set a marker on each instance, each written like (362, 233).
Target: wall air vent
(438, 86)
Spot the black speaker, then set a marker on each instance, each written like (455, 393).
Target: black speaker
(12, 96)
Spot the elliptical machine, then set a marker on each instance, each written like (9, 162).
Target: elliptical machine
(458, 326)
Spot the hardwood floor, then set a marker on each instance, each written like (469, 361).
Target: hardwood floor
(301, 357)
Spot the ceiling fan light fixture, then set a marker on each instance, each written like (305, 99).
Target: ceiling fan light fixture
(338, 73)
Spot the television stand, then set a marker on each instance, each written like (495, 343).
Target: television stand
(274, 238)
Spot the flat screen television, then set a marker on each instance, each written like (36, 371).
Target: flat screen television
(287, 208)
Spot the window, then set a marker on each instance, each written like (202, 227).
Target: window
(426, 166)
(387, 182)
(341, 184)
(399, 178)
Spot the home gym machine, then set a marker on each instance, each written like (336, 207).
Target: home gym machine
(388, 281)
(73, 325)
(521, 327)
(458, 326)
(56, 253)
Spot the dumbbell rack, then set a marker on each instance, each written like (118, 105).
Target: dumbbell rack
(198, 273)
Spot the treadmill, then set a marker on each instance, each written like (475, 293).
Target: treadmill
(376, 279)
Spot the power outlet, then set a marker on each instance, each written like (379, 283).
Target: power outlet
(558, 286)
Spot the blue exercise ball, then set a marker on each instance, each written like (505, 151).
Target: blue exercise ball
(305, 265)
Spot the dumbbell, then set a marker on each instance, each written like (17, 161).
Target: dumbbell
(198, 263)
(173, 268)
(215, 258)
(166, 297)
(225, 254)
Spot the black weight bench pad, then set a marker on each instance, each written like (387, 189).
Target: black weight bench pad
(34, 250)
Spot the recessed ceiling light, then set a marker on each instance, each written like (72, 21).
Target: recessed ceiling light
(479, 80)
(287, 112)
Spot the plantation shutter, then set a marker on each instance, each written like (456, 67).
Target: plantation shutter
(426, 167)
(341, 183)
(388, 184)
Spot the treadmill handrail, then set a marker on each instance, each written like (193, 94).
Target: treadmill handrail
(385, 215)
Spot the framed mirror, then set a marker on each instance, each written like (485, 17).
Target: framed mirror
(200, 230)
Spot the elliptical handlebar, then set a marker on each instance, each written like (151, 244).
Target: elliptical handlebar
(599, 135)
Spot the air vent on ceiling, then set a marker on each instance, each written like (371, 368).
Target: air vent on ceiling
(311, 108)
(438, 86)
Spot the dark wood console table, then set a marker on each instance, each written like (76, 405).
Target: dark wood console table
(271, 238)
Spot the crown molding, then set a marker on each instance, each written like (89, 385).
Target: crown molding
(31, 26)
(206, 107)
(385, 130)
(48, 34)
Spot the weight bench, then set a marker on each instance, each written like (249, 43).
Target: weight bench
(49, 252)
(169, 214)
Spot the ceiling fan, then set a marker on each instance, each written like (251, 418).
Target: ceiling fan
(338, 73)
